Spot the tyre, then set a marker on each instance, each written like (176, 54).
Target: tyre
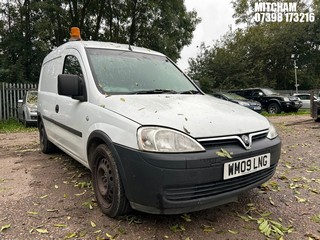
(107, 184)
(274, 108)
(24, 121)
(45, 145)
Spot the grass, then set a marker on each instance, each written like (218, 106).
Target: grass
(13, 125)
(300, 112)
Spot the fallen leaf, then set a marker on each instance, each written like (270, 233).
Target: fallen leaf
(42, 231)
(70, 235)
(224, 153)
(233, 232)
(271, 201)
(93, 224)
(186, 130)
(79, 194)
(300, 200)
(316, 218)
(186, 217)
(110, 236)
(33, 213)
(4, 227)
(52, 210)
(60, 225)
(177, 228)
(207, 228)
(122, 230)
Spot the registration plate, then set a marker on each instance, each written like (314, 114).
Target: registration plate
(246, 166)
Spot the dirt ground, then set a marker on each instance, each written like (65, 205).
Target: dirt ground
(50, 197)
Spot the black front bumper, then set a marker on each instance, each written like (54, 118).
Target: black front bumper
(176, 183)
(291, 105)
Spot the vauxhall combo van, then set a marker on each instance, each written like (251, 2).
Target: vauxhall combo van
(152, 139)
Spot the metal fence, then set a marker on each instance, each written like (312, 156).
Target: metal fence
(10, 93)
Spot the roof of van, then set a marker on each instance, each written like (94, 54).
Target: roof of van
(103, 45)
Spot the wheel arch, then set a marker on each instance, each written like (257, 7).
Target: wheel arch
(99, 137)
(274, 100)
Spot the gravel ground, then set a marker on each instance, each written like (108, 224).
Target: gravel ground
(50, 197)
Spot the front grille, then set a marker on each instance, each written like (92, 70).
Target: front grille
(216, 188)
(260, 136)
(232, 140)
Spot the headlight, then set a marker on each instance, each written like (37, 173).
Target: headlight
(272, 132)
(33, 109)
(244, 104)
(158, 139)
(286, 99)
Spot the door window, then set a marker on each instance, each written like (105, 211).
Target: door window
(72, 66)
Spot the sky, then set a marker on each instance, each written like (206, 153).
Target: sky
(216, 18)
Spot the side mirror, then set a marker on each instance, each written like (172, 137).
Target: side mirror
(73, 86)
(20, 101)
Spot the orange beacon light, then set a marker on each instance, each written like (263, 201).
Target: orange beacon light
(75, 34)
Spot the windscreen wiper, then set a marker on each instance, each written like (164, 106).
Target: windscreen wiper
(155, 91)
(189, 92)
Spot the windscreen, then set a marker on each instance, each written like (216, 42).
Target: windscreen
(127, 72)
(32, 97)
(234, 96)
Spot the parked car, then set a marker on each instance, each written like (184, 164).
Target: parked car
(235, 98)
(305, 99)
(27, 108)
(152, 139)
(271, 101)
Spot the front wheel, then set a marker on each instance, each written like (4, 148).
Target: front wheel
(274, 108)
(107, 183)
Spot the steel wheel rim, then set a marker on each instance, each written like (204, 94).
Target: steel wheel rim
(273, 109)
(105, 180)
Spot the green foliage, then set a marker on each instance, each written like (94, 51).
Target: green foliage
(259, 54)
(12, 125)
(30, 29)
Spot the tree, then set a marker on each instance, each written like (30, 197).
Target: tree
(32, 28)
(259, 54)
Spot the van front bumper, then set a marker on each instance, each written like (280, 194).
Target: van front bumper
(165, 183)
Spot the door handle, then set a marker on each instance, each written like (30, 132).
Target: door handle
(57, 108)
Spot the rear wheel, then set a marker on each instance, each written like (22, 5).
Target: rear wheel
(107, 184)
(45, 145)
(274, 108)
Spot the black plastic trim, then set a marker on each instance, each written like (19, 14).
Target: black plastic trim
(69, 129)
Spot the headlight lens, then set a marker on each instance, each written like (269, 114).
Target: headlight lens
(158, 139)
(286, 99)
(244, 104)
(272, 132)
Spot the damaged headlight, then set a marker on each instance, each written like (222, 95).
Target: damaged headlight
(159, 139)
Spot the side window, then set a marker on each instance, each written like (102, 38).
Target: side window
(257, 93)
(246, 94)
(72, 66)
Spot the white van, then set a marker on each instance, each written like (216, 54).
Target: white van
(151, 138)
